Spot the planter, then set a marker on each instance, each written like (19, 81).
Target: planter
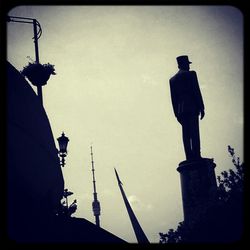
(38, 74)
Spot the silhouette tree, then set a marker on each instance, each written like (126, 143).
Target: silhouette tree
(223, 222)
(231, 182)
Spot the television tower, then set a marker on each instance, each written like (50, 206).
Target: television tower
(95, 204)
(140, 235)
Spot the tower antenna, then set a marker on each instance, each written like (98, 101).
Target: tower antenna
(95, 204)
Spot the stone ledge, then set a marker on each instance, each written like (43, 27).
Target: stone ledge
(196, 163)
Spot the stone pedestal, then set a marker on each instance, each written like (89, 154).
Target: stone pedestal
(198, 185)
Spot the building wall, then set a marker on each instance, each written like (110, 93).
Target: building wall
(35, 180)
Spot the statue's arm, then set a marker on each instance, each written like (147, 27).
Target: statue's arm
(173, 98)
(197, 92)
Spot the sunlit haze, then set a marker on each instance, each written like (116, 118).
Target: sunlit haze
(111, 91)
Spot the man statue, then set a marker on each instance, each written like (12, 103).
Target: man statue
(188, 106)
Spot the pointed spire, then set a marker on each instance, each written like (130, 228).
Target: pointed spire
(117, 177)
(95, 204)
(140, 235)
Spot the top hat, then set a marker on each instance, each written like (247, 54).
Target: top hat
(182, 60)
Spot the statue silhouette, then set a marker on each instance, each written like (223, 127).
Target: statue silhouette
(187, 105)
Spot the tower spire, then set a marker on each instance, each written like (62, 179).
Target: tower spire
(140, 235)
(95, 204)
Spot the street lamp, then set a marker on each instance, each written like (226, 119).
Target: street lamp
(37, 35)
(63, 143)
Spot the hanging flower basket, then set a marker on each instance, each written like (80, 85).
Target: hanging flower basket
(38, 74)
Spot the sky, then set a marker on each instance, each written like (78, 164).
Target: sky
(111, 91)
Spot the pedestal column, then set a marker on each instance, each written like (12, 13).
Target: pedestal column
(198, 185)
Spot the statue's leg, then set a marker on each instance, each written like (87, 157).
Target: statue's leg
(195, 136)
(186, 138)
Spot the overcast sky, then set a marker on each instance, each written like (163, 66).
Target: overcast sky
(111, 91)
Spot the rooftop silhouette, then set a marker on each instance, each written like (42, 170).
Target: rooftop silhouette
(35, 180)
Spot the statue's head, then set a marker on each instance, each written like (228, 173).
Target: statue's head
(183, 62)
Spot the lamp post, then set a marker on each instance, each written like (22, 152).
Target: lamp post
(63, 143)
(37, 35)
